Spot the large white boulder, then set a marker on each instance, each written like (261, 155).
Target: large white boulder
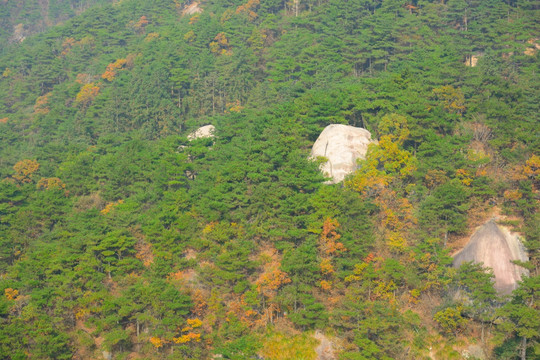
(496, 247)
(342, 145)
(206, 131)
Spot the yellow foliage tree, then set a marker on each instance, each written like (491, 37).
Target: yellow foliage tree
(397, 219)
(464, 176)
(220, 45)
(11, 294)
(282, 346)
(234, 107)
(453, 99)
(190, 36)
(111, 206)
(387, 161)
(53, 183)
(182, 339)
(87, 94)
(326, 267)
(194, 19)
(24, 170)
(113, 68)
(157, 342)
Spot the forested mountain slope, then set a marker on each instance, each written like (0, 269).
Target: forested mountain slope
(121, 238)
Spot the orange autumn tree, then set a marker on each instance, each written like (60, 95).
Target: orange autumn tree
(113, 68)
(269, 282)
(249, 9)
(67, 45)
(220, 45)
(87, 94)
(240, 309)
(329, 247)
(190, 332)
(140, 26)
(41, 106)
(157, 342)
(520, 175)
(529, 171)
(24, 170)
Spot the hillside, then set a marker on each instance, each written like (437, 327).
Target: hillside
(21, 19)
(122, 237)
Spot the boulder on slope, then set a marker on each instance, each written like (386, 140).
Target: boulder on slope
(496, 247)
(342, 145)
(206, 131)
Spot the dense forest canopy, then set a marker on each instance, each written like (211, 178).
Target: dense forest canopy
(122, 238)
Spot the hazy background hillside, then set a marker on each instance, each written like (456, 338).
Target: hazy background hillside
(20, 19)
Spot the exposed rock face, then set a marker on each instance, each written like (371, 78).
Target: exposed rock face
(474, 352)
(206, 131)
(18, 34)
(325, 349)
(496, 247)
(192, 9)
(471, 61)
(342, 145)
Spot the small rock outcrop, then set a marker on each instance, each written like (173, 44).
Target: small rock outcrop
(472, 60)
(192, 9)
(206, 131)
(325, 349)
(496, 247)
(474, 352)
(342, 145)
